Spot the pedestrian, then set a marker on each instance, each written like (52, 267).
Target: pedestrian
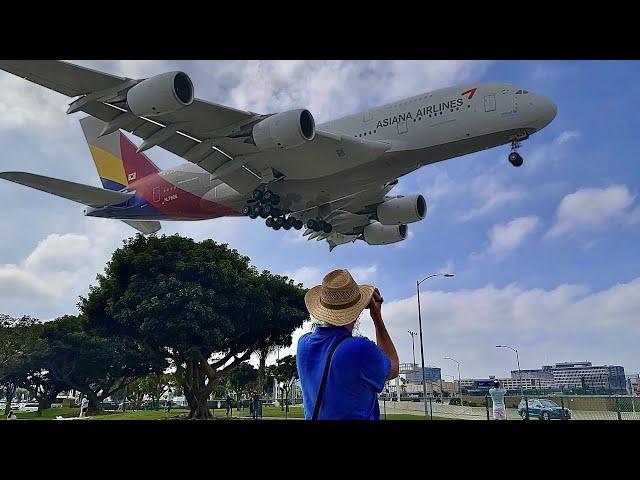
(12, 415)
(256, 406)
(219, 404)
(84, 406)
(169, 400)
(497, 397)
(251, 406)
(228, 403)
(341, 375)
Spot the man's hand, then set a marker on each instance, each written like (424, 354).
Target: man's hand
(375, 305)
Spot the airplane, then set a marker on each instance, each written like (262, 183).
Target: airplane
(333, 178)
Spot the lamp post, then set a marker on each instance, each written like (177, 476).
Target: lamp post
(413, 345)
(459, 381)
(519, 376)
(424, 379)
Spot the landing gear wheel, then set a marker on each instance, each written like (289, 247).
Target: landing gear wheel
(266, 196)
(268, 209)
(515, 159)
(247, 210)
(279, 221)
(275, 199)
(275, 212)
(297, 224)
(270, 222)
(288, 223)
(276, 227)
(326, 227)
(252, 216)
(257, 210)
(311, 223)
(257, 194)
(319, 226)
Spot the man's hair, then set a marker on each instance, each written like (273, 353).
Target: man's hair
(496, 383)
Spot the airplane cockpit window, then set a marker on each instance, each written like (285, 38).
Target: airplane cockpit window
(520, 92)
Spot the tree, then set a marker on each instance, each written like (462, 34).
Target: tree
(243, 379)
(285, 372)
(19, 342)
(95, 365)
(200, 304)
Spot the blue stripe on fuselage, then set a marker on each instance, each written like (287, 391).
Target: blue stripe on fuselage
(136, 208)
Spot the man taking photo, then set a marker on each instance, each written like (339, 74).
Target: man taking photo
(340, 375)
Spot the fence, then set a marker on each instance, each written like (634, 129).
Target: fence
(544, 407)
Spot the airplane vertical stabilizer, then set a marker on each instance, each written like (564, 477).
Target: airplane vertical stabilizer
(115, 156)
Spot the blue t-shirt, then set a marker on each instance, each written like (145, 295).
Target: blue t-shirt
(358, 371)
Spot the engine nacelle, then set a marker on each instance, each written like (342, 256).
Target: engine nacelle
(285, 130)
(402, 210)
(164, 93)
(377, 234)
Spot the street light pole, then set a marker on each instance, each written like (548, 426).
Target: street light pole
(413, 345)
(424, 379)
(459, 380)
(519, 375)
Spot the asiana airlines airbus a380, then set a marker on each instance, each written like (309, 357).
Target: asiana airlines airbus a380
(333, 178)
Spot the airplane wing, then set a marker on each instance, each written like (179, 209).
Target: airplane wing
(207, 134)
(145, 227)
(348, 216)
(77, 192)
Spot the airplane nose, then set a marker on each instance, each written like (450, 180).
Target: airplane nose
(547, 110)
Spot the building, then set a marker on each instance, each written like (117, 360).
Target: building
(481, 385)
(432, 374)
(584, 375)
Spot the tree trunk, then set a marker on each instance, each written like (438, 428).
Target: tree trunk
(9, 393)
(94, 402)
(197, 392)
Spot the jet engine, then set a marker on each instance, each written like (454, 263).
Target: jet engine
(164, 93)
(284, 130)
(402, 210)
(377, 234)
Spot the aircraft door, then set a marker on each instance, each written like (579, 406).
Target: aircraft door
(156, 194)
(489, 103)
(402, 127)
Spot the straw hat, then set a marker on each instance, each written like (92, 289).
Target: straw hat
(339, 300)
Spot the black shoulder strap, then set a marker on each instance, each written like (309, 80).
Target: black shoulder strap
(325, 375)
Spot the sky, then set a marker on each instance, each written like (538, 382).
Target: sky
(545, 256)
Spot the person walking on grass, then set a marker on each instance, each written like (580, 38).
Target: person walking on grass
(169, 400)
(497, 398)
(228, 403)
(84, 406)
(341, 375)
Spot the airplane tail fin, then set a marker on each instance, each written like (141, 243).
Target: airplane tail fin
(115, 156)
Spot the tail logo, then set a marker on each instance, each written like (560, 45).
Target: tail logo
(131, 177)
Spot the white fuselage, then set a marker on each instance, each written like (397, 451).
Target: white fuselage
(423, 129)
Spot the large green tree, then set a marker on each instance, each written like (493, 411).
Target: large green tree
(200, 304)
(285, 372)
(95, 365)
(20, 341)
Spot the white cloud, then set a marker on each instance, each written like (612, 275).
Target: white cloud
(558, 324)
(506, 237)
(592, 209)
(489, 193)
(566, 136)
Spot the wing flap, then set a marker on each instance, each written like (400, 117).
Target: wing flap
(77, 192)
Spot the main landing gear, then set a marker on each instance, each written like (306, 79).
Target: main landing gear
(319, 225)
(514, 157)
(264, 203)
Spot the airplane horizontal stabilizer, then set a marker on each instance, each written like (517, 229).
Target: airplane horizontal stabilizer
(77, 192)
(145, 227)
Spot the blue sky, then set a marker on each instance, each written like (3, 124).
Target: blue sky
(545, 255)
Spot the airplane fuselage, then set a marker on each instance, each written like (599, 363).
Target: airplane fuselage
(420, 130)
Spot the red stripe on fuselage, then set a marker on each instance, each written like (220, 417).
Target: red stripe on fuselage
(136, 165)
(178, 204)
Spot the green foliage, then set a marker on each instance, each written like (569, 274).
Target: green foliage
(243, 379)
(200, 304)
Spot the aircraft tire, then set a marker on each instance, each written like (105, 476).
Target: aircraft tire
(298, 224)
(275, 199)
(270, 222)
(326, 227)
(276, 227)
(247, 210)
(257, 194)
(311, 223)
(515, 159)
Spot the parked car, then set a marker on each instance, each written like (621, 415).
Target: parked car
(56, 405)
(543, 409)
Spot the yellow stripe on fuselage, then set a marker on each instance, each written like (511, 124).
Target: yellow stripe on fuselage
(108, 165)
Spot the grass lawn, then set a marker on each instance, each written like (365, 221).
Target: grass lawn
(268, 412)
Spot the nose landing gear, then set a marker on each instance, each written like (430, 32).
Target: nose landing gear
(514, 157)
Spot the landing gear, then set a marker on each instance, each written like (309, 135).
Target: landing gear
(514, 157)
(319, 226)
(264, 203)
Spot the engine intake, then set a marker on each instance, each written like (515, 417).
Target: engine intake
(402, 210)
(377, 234)
(164, 93)
(284, 130)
